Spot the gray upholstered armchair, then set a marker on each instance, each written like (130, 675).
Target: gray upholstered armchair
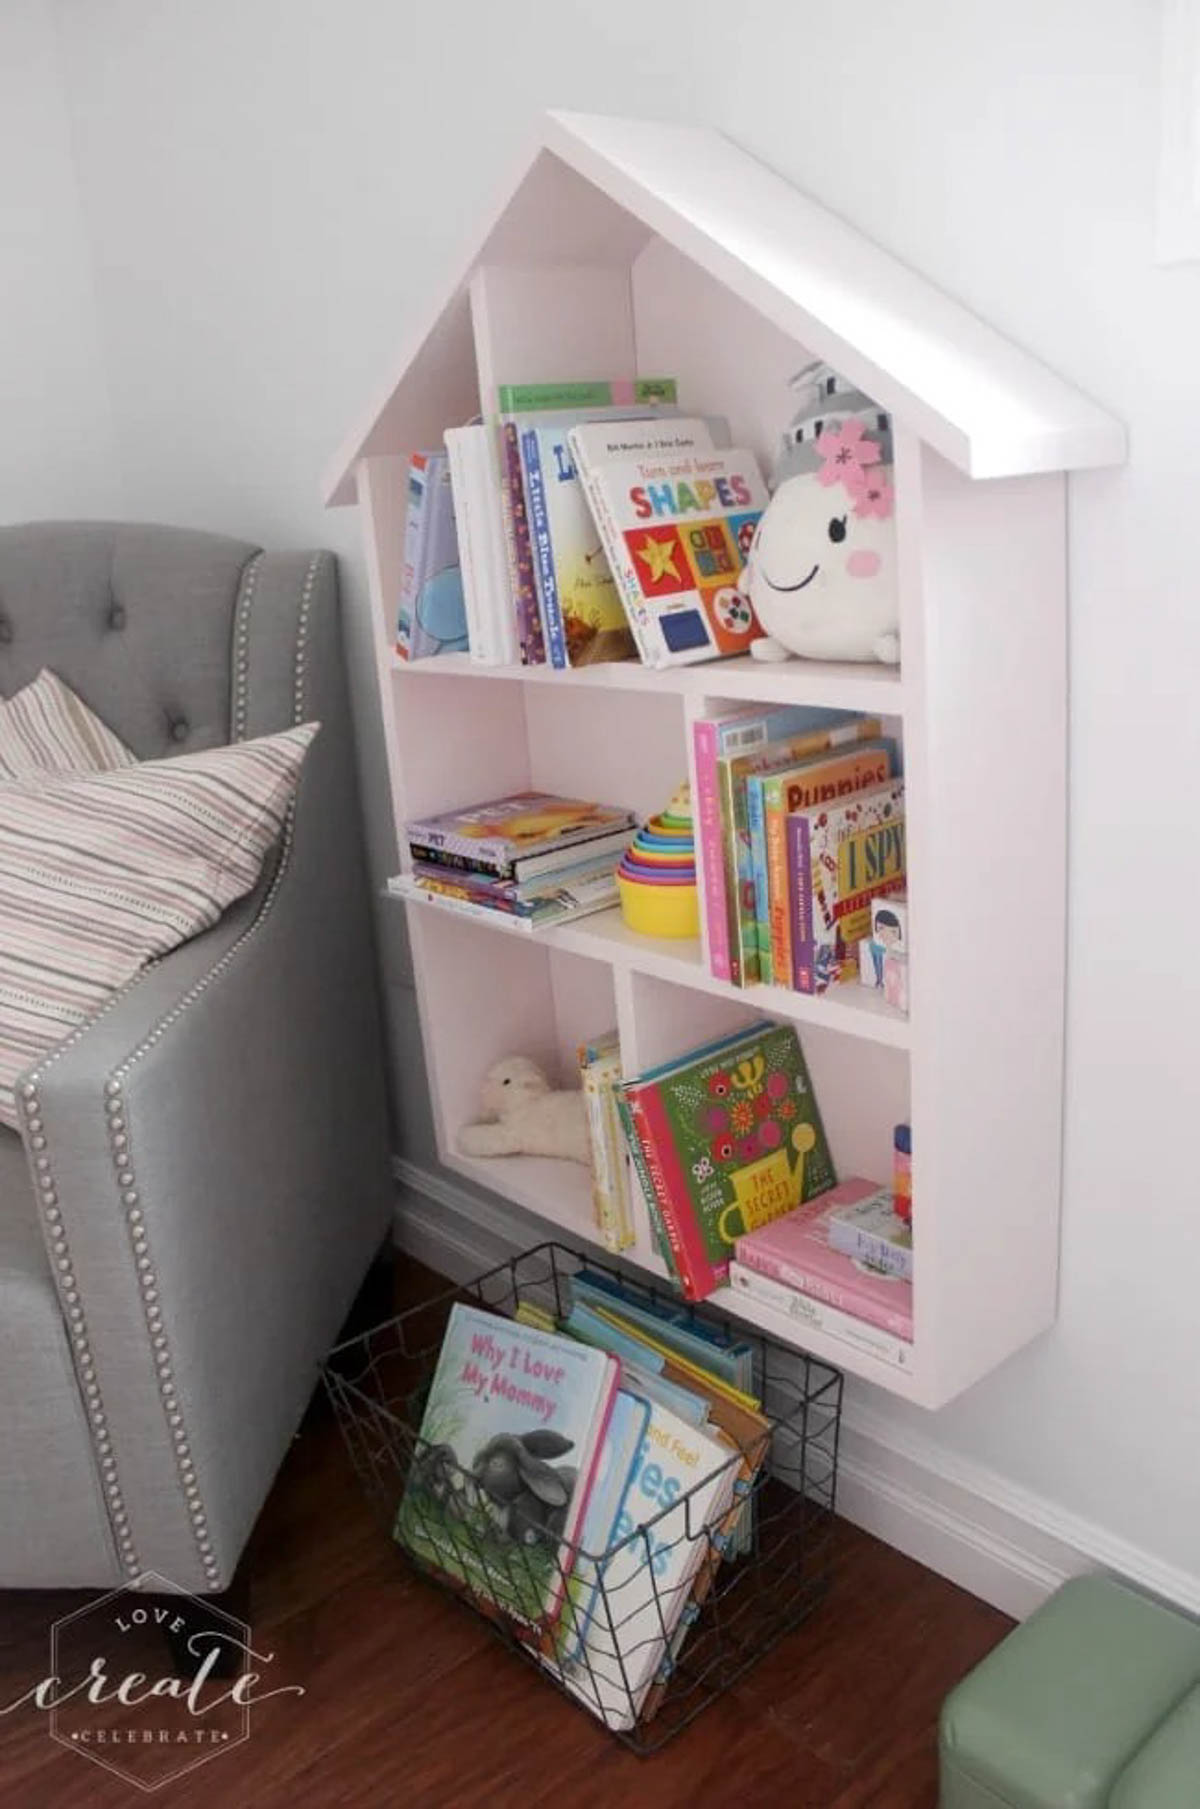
(204, 1178)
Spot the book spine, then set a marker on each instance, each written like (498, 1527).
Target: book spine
(800, 890)
(757, 824)
(637, 1156)
(819, 1287)
(729, 857)
(490, 511)
(603, 1178)
(543, 552)
(817, 1316)
(408, 570)
(866, 1246)
(618, 1165)
(520, 558)
(467, 907)
(464, 527)
(712, 859)
(778, 891)
(450, 858)
(697, 1275)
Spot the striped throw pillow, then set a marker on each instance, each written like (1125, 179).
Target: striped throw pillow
(46, 728)
(101, 873)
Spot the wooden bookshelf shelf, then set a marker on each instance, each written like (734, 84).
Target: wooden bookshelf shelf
(623, 246)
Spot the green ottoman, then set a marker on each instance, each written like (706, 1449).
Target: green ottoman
(1166, 1773)
(1053, 1716)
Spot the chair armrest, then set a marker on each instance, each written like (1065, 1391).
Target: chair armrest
(210, 1162)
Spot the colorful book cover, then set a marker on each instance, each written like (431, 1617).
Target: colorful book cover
(796, 1251)
(414, 502)
(770, 798)
(677, 529)
(600, 1072)
(840, 857)
(514, 1423)
(871, 1230)
(617, 392)
(505, 833)
(713, 739)
(732, 1137)
(614, 1479)
(839, 728)
(584, 616)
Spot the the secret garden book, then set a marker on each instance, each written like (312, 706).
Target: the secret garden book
(513, 1426)
(730, 1138)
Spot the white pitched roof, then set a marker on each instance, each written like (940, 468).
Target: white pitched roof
(980, 401)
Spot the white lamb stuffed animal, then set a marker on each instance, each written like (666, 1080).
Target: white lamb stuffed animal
(524, 1116)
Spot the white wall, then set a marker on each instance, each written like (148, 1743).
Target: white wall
(57, 452)
(272, 185)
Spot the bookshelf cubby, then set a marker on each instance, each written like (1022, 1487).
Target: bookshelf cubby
(627, 247)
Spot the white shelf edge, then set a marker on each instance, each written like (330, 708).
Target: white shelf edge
(605, 937)
(875, 690)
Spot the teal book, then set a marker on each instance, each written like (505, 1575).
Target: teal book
(510, 1443)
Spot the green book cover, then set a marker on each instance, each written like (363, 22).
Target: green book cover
(733, 1139)
(521, 398)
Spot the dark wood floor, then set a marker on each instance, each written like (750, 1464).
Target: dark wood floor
(412, 1704)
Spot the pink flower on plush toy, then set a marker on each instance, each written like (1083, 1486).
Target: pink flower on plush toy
(846, 451)
(873, 495)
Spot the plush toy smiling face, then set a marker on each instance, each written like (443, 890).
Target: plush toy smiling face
(822, 571)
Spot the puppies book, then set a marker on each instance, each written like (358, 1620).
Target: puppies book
(731, 1137)
(514, 1423)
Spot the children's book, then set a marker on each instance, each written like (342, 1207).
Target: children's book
(614, 393)
(600, 1071)
(514, 1424)
(714, 738)
(584, 618)
(730, 1359)
(796, 1251)
(518, 546)
(677, 528)
(614, 1480)
(574, 892)
(840, 857)
(841, 729)
(731, 1137)
(683, 1480)
(769, 798)
(475, 468)
(520, 835)
(432, 615)
(871, 1230)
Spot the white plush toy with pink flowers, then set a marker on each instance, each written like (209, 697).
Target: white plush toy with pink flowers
(821, 572)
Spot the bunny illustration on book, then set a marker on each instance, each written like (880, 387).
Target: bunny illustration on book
(530, 1495)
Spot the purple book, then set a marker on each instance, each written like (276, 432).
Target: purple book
(530, 637)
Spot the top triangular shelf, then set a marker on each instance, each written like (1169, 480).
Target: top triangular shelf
(981, 402)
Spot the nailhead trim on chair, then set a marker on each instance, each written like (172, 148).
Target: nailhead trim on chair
(241, 650)
(123, 1166)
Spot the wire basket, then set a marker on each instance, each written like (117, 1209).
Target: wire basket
(644, 1657)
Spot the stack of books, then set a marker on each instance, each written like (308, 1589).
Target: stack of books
(801, 829)
(532, 857)
(566, 1472)
(840, 1265)
(594, 523)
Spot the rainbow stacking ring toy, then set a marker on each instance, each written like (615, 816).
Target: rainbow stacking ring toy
(657, 874)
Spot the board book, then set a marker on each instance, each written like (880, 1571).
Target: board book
(514, 1424)
(871, 1230)
(730, 1137)
(581, 608)
(432, 615)
(840, 729)
(796, 1251)
(840, 857)
(770, 797)
(677, 529)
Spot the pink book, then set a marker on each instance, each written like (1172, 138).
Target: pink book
(795, 1250)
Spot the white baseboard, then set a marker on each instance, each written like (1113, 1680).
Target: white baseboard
(1006, 1545)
